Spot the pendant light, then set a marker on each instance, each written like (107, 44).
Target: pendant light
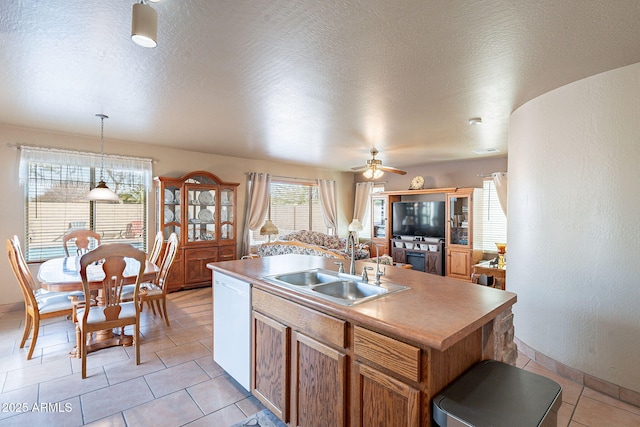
(144, 25)
(102, 192)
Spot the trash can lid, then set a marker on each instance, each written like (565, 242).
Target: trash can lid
(496, 394)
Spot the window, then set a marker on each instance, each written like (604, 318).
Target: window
(494, 222)
(56, 182)
(293, 206)
(366, 224)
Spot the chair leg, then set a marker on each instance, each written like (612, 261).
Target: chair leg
(153, 308)
(34, 337)
(136, 340)
(83, 353)
(27, 328)
(164, 308)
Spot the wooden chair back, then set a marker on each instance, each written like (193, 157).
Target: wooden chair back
(82, 240)
(154, 255)
(110, 312)
(167, 261)
(36, 307)
(113, 264)
(22, 273)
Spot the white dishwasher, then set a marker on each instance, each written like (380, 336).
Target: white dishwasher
(232, 326)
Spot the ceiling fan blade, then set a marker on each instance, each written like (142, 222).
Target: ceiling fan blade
(392, 169)
(360, 168)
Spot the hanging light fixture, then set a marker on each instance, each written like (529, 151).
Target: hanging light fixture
(102, 192)
(144, 25)
(373, 172)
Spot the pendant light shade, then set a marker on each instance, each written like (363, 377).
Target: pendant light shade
(144, 25)
(102, 192)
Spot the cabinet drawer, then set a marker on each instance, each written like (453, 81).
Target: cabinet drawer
(226, 253)
(398, 357)
(328, 329)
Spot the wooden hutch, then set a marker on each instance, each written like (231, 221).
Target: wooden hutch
(201, 209)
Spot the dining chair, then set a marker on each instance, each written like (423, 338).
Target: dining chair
(156, 249)
(111, 312)
(156, 292)
(37, 305)
(82, 240)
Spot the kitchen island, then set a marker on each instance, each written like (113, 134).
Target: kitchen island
(314, 362)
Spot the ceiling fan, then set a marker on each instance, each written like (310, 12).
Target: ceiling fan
(374, 169)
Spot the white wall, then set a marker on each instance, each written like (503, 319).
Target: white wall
(169, 162)
(574, 232)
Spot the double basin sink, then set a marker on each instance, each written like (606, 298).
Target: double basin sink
(341, 288)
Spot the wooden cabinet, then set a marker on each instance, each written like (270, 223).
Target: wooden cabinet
(462, 218)
(305, 382)
(319, 375)
(386, 399)
(270, 366)
(417, 254)
(381, 221)
(201, 209)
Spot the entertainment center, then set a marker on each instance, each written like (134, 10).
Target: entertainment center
(431, 229)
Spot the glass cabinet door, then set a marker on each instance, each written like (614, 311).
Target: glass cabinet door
(171, 218)
(201, 211)
(459, 220)
(379, 217)
(227, 214)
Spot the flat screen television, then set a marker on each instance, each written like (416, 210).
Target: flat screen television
(419, 219)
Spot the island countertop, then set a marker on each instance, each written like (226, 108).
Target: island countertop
(436, 311)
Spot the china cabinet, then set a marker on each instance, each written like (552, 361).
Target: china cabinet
(201, 209)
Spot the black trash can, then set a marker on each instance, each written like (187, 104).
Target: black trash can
(496, 394)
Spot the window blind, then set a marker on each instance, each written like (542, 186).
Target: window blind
(293, 206)
(494, 222)
(55, 187)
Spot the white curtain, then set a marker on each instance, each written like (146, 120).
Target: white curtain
(500, 182)
(31, 154)
(256, 206)
(363, 190)
(329, 203)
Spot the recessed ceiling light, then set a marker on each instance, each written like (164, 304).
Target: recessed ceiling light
(475, 121)
(486, 151)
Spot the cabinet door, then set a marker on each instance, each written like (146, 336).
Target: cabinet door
(385, 401)
(459, 220)
(195, 264)
(271, 364)
(175, 278)
(398, 255)
(319, 384)
(459, 264)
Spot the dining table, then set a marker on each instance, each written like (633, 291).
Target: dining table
(63, 275)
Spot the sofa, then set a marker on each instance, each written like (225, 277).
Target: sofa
(309, 242)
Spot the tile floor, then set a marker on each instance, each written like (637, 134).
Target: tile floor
(177, 382)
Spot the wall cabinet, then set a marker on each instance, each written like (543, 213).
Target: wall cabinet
(201, 209)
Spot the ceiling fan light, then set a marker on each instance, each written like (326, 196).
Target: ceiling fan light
(144, 25)
(373, 173)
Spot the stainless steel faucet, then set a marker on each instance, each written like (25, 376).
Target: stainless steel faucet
(351, 250)
(378, 272)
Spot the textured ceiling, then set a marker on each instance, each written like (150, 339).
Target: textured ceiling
(305, 81)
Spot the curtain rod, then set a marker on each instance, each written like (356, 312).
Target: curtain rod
(291, 178)
(70, 151)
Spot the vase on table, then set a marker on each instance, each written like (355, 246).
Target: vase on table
(502, 250)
